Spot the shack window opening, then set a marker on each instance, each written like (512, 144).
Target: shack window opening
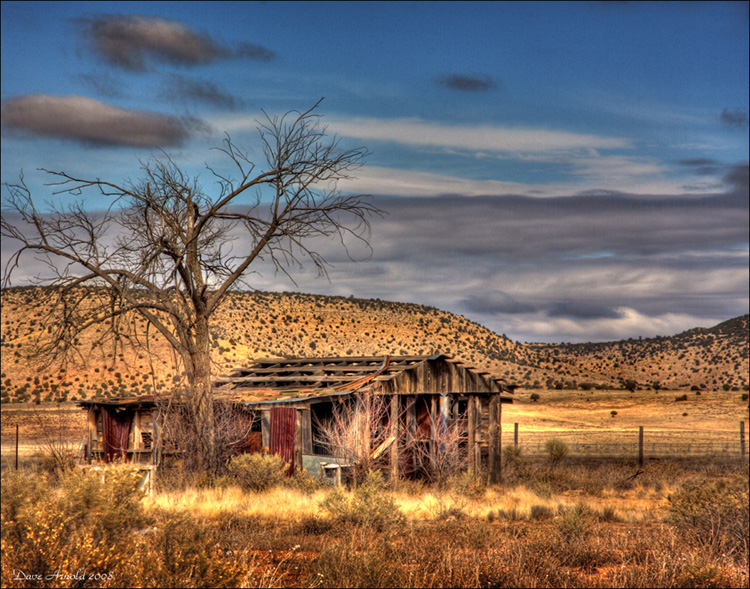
(321, 415)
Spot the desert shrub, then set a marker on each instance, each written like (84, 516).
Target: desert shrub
(466, 484)
(575, 523)
(305, 482)
(511, 514)
(714, 514)
(257, 472)
(178, 551)
(607, 514)
(557, 450)
(313, 525)
(542, 487)
(512, 455)
(81, 524)
(89, 529)
(698, 574)
(342, 566)
(367, 505)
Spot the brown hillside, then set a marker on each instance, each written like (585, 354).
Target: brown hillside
(259, 325)
(714, 358)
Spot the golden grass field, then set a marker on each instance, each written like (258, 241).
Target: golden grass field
(708, 421)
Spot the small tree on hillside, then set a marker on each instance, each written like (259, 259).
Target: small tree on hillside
(160, 249)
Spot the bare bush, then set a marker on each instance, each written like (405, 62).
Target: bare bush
(177, 443)
(356, 431)
(360, 435)
(557, 450)
(57, 450)
(258, 472)
(440, 454)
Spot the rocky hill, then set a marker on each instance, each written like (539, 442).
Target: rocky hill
(260, 325)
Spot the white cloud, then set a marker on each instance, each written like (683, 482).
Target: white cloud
(474, 138)
(577, 162)
(636, 176)
(414, 131)
(630, 323)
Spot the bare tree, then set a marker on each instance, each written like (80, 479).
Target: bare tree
(162, 250)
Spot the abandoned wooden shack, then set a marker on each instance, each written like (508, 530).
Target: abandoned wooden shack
(420, 408)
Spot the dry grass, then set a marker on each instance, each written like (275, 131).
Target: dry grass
(679, 526)
(277, 504)
(582, 523)
(709, 422)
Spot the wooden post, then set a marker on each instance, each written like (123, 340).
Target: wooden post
(495, 456)
(478, 435)
(17, 447)
(394, 433)
(471, 426)
(640, 445)
(742, 438)
(298, 439)
(265, 428)
(411, 430)
(306, 420)
(435, 433)
(515, 435)
(500, 437)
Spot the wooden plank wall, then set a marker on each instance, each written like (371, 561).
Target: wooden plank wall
(436, 377)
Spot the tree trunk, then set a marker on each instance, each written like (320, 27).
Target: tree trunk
(201, 398)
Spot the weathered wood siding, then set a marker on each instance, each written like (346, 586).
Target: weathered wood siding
(437, 377)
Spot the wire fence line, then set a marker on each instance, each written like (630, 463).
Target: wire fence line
(641, 444)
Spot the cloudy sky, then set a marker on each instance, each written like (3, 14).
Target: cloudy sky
(555, 171)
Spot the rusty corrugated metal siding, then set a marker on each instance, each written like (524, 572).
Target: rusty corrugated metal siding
(283, 429)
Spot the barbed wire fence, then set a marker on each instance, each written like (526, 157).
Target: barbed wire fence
(638, 443)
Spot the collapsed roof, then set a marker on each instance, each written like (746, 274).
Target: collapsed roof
(296, 379)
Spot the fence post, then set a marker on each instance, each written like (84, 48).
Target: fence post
(17, 447)
(640, 445)
(742, 438)
(515, 435)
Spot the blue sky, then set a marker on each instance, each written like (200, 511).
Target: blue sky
(556, 171)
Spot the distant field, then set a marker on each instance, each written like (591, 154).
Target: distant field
(39, 426)
(703, 423)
